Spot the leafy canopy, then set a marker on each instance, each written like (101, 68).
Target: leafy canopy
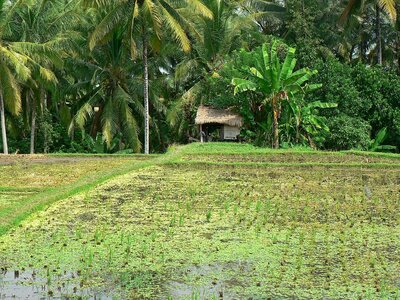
(264, 73)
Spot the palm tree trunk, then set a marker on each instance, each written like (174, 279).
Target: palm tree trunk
(398, 53)
(33, 125)
(275, 143)
(146, 93)
(351, 53)
(3, 124)
(43, 101)
(363, 51)
(96, 123)
(378, 35)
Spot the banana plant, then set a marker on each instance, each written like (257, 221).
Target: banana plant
(376, 144)
(308, 122)
(264, 74)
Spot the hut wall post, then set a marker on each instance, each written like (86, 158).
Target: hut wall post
(201, 134)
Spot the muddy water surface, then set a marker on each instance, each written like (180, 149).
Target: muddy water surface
(27, 285)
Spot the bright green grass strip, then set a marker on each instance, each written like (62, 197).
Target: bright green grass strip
(102, 155)
(271, 152)
(237, 149)
(14, 215)
(373, 154)
(21, 189)
(280, 164)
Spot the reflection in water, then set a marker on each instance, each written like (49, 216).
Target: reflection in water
(27, 285)
(214, 282)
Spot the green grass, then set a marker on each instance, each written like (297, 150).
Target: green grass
(247, 149)
(45, 180)
(116, 155)
(206, 221)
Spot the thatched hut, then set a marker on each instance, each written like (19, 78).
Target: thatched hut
(226, 122)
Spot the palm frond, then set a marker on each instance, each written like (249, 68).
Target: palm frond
(39, 53)
(129, 125)
(107, 25)
(134, 15)
(10, 90)
(150, 9)
(99, 3)
(200, 8)
(349, 10)
(81, 117)
(17, 62)
(185, 68)
(389, 6)
(171, 17)
(6, 17)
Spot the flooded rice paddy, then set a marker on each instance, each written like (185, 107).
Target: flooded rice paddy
(177, 230)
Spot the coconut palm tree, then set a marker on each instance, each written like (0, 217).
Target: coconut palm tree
(387, 6)
(107, 95)
(216, 38)
(264, 74)
(149, 19)
(265, 12)
(20, 61)
(10, 97)
(48, 23)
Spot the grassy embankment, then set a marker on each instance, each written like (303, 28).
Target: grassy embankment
(223, 220)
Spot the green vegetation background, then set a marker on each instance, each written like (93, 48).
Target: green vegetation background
(63, 59)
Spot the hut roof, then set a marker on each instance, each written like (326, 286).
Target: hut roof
(207, 115)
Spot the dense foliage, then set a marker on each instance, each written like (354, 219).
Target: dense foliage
(112, 76)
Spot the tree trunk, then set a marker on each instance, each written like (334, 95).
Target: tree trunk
(3, 125)
(363, 44)
(297, 133)
(378, 35)
(363, 51)
(43, 100)
(146, 94)
(275, 143)
(33, 124)
(96, 123)
(311, 142)
(398, 61)
(351, 53)
(398, 53)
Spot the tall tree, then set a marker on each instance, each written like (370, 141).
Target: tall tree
(48, 24)
(216, 38)
(359, 6)
(11, 63)
(111, 105)
(267, 14)
(22, 62)
(150, 19)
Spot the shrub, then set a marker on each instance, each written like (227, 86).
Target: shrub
(348, 133)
